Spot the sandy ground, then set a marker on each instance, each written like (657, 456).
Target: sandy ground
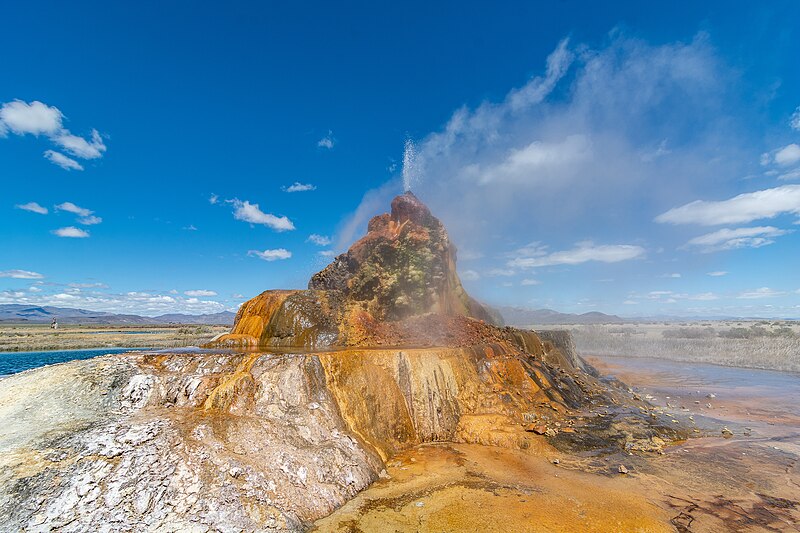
(15, 338)
(748, 482)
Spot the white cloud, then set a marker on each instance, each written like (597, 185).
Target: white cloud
(80, 147)
(718, 273)
(20, 274)
(90, 220)
(794, 122)
(244, 210)
(470, 275)
(319, 240)
(763, 292)
(788, 155)
(704, 297)
(35, 118)
(69, 207)
(498, 272)
(299, 187)
(327, 253)
(71, 231)
(630, 302)
(327, 142)
(529, 282)
(741, 209)
(213, 199)
(793, 174)
(33, 207)
(730, 239)
(582, 253)
(674, 275)
(200, 292)
(57, 158)
(538, 158)
(190, 227)
(271, 255)
(135, 302)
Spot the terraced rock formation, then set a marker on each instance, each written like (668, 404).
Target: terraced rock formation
(384, 352)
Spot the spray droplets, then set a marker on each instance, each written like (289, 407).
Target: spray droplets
(410, 167)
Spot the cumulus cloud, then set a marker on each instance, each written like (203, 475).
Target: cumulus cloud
(200, 292)
(729, 239)
(327, 142)
(20, 274)
(271, 255)
(247, 212)
(33, 207)
(319, 240)
(299, 187)
(71, 231)
(741, 209)
(538, 256)
(788, 155)
(57, 158)
(37, 118)
(763, 292)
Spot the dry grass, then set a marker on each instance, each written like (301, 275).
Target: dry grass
(767, 345)
(17, 338)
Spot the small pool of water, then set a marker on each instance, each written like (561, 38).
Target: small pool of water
(13, 362)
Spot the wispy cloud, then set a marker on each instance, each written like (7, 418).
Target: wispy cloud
(200, 292)
(529, 282)
(718, 273)
(794, 122)
(71, 231)
(763, 292)
(20, 274)
(299, 187)
(327, 142)
(583, 252)
(69, 207)
(37, 118)
(470, 275)
(673, 275)
(319, 240)
(33, 207)
(247, 212)
(741, 209)
(213, 199)
(271, 255)
(57, 158)
(730, 239)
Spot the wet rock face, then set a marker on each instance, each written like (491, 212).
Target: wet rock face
(404, 266)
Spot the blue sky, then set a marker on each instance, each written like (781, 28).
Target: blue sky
(627, 159)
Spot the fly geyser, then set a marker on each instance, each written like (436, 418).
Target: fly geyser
(384, 352)
(397, 285)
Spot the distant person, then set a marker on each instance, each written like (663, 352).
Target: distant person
(54, 324)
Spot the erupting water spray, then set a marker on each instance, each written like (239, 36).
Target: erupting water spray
(410, 167)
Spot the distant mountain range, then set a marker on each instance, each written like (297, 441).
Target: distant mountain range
(31, 314)
(521, 316)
